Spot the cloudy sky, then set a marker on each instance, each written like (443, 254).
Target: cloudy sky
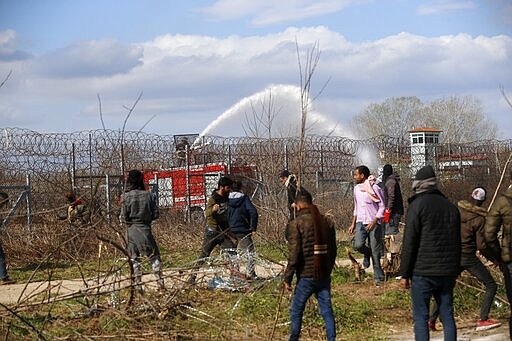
(207, 65)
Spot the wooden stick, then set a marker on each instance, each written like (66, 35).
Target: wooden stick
(277, 312)
(501, 180)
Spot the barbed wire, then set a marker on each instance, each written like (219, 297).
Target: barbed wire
(56, 160)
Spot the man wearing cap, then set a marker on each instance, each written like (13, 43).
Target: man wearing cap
(431, 252)
(499, 218)
(472, 216)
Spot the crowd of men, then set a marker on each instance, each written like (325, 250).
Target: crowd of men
(440, 240)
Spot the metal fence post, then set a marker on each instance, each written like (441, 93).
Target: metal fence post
(107, 194)
(28, 198)
(187, 183)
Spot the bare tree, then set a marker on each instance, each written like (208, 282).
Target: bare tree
(461, 119)
(6, 79)
(308, 63)
(261, 118)
(394, 117)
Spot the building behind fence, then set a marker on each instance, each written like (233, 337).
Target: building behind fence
(92, 163)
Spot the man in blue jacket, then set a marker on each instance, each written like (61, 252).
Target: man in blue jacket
(243, 221)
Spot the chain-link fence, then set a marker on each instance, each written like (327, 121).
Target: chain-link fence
(93, 163)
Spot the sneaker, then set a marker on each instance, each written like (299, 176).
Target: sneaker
(366, 262)
(7, 281)
(432, 325)
(486, 324)
(378, 284)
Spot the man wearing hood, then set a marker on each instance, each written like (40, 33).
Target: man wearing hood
(500, 218)
(243, 221)
(431, 254)
(472, 216)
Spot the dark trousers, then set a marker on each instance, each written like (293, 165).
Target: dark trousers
(480, 271)
(475, 267)
(3, 267)
(212, 238)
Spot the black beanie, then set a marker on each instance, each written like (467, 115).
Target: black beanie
(284, 174)
(387, 170)
(425, 172)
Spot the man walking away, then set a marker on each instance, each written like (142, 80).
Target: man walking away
(472, 217)
(393, 196)
(243, 221)
(139, 208)
(311, 257)
(431, 254)
(368, 211)
(499, 219)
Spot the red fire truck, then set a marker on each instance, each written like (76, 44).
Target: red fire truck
(188, 188)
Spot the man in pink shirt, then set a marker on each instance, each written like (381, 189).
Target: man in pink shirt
(368, 211)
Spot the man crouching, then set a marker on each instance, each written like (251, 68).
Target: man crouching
(311, 256)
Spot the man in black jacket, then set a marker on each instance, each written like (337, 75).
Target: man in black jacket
(431, 253)
(394, 201)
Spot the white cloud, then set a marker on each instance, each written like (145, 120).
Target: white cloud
(96, 58)
(8, 48)
(270, 12)
(190, 80)
(440, 7)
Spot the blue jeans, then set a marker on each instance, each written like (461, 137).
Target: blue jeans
(374, 251)
(392, 226)
(423, 288)
(246, 244)
(303, 290)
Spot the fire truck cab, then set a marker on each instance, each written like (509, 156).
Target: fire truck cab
(187, 188)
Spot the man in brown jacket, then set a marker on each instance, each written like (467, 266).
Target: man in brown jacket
(311, 257)
(500, 218)
(472, 222)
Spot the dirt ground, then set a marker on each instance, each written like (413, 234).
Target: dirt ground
(22, 292)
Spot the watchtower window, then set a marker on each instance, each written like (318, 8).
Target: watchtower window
(417, 138)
